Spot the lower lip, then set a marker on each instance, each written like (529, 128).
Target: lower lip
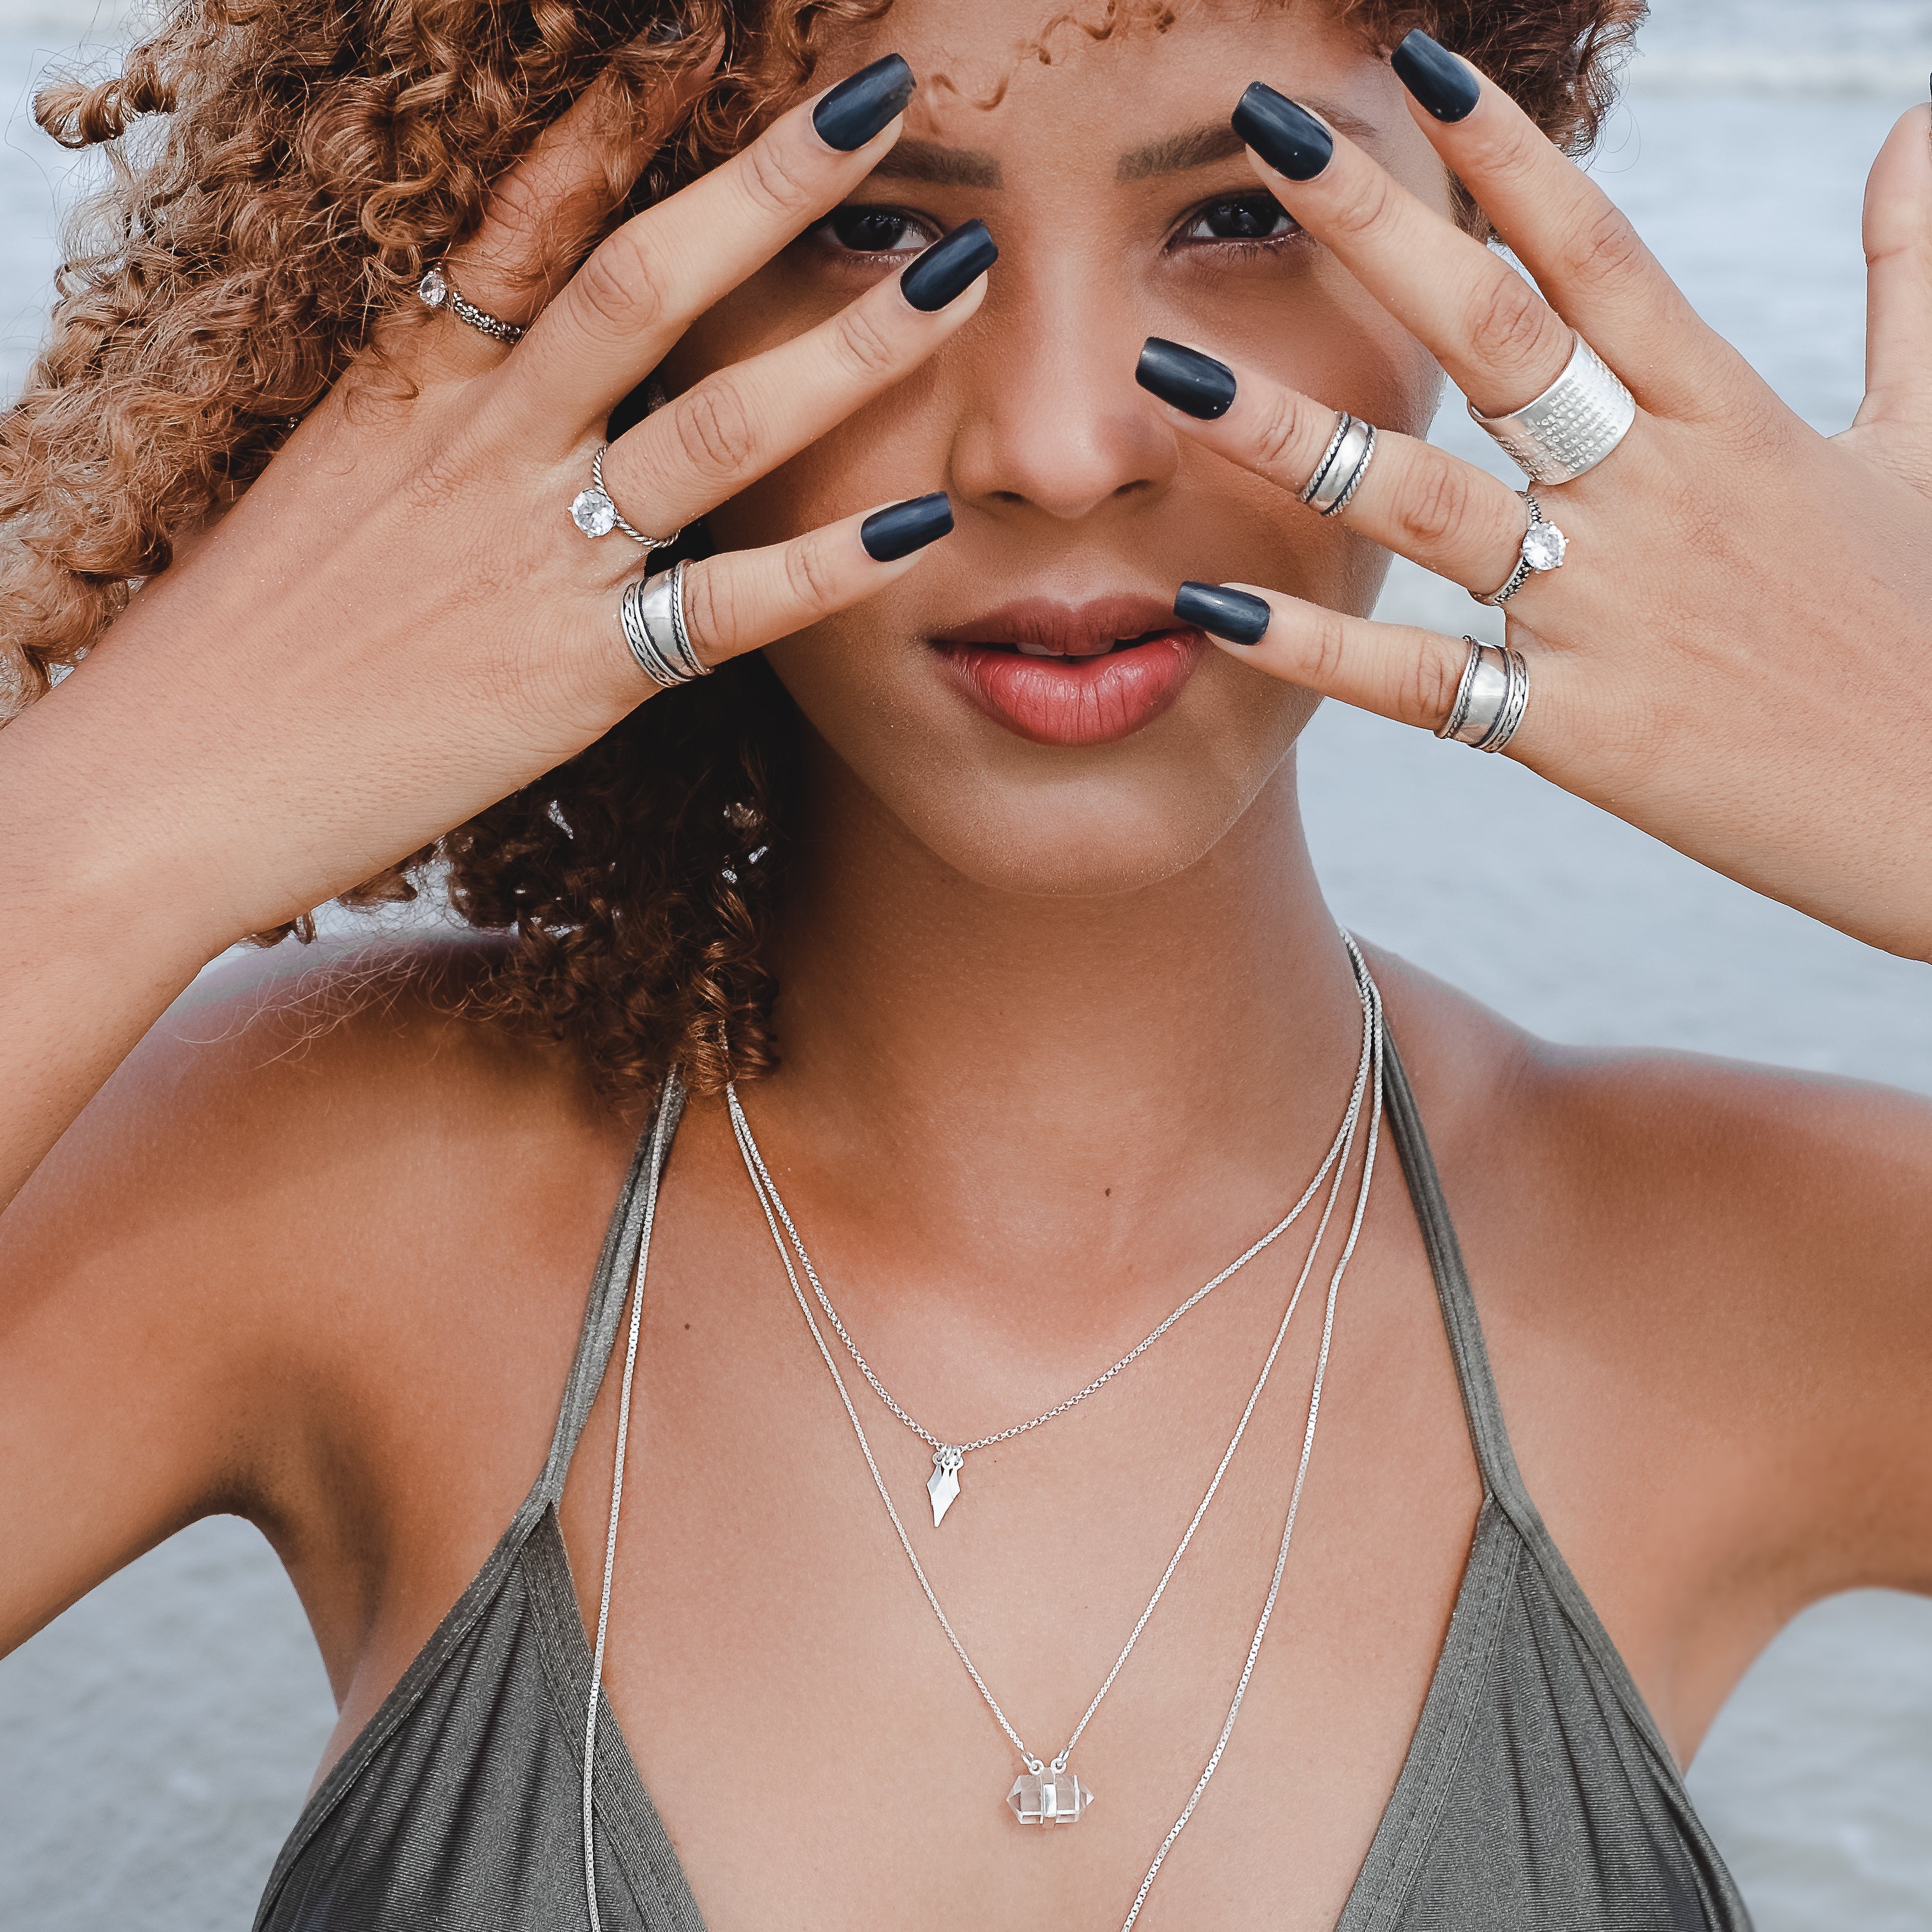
(1096, 700)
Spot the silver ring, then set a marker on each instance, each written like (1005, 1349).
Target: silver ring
(1344, 463)
(1543, 547)
(593, 512)
(1490, 699)
(437, 291)
(653, 615)
(1572, 426)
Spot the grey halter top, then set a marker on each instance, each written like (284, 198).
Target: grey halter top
(1537, 1795)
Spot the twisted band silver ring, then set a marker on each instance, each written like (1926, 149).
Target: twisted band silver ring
(594, 513)
(1543, 546)
(1343, 465)
(653, 615)
(1572, 426)
(437, 290)
(1490, 699)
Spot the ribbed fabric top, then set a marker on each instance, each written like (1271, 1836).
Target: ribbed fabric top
(1537, 1795)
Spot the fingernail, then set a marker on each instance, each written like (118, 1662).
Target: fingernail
(1185, 378)
(1435, 77)
(949, 267)
(859, 106)
(900, 529)
(1289, 138)
(1222, 613)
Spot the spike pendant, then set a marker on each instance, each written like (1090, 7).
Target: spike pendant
(942, 1485)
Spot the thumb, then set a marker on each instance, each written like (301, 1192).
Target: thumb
(1898, 257)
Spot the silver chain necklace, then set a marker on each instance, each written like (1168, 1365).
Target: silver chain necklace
(1047, 1793)
(943, 1486)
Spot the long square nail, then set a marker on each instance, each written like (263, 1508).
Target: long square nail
(900, 529)
(1185, 378)
(1289, 138)
(860, 106)
(949, 267)
(1437, 79)
(1223, 613)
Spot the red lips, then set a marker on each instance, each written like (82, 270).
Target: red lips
(1071, 674)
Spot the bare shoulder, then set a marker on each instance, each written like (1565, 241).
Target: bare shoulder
(1715, 1273)
(315, 1202)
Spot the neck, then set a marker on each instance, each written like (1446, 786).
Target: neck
(1055, 1092)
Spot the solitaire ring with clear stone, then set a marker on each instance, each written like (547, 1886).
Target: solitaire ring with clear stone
(1543, 545)
(435, 290)
(593, 512)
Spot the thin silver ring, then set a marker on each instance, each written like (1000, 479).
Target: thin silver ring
(594, 512)
(435, 290)
(1544, 548)
(1356, 474)
(652, 613)
(1572, 426)
(1490, 699)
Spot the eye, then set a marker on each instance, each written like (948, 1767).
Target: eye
(862, 230)
(1239, 217)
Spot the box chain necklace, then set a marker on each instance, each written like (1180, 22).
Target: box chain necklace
(943, 1486)
(1047, 1781)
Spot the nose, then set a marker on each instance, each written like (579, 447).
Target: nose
(1056, 426)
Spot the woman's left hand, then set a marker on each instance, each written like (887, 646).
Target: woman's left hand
(1734, 654)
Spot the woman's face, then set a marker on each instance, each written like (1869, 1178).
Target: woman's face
(1124, 208)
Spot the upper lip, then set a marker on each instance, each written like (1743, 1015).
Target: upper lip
(1059, 629)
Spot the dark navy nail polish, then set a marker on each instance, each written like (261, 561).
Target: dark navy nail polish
(1222, 613)
(858, 107)
(949, 267)
(1437, 79)
(900, 529)
(1289, 138)
(1185, 378)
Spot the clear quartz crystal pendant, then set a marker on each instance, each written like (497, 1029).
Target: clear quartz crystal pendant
(942, 1485)
(1048, 1797)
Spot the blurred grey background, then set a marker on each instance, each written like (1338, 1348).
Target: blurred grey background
(156, 1741)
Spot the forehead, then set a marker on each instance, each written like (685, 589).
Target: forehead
(1015, 92)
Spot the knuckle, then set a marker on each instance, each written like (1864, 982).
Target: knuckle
(1437, 507)
(775, 182)
(710, 610)
(621, 289)
(1427, 688)
(1327, 650)
(1280, 435)
(714, 432)
(1511, 323)
(864, 347)
(1602, 251)
(810, 575)
(1362, 207)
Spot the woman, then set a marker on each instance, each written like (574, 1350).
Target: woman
(990, 869)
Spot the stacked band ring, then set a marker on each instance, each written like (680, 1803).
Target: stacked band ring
(653, 615)
(1572, 426)
(437, 291)
(1343, 465)
(1490, 699)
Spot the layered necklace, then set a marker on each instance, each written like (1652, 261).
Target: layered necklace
(1046, 1792)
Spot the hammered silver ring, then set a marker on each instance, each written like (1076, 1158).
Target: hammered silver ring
(435, 290)
(1544, 548)
(1572, 426)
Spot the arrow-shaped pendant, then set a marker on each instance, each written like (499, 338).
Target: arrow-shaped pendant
(942, 1485)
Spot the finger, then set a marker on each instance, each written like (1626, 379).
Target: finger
(547, 210)
(1898, 251)
(1394, 670)
(613, 322)
(1591, 266)
(744, 599)
(1412, 498)
(736, 425)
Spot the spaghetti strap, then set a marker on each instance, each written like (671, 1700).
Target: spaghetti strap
(623, 1243)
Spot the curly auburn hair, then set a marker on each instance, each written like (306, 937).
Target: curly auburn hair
(282, 172)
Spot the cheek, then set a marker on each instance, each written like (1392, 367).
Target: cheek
(1021, 818)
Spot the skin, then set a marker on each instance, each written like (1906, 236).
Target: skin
(1062, 1030)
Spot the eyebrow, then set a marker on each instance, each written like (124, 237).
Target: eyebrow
(1200, 147)
(943, 167)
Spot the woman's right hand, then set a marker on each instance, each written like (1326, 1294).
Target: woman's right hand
(398, 624)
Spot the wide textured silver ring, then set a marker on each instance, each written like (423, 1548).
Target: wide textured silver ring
(435, 290)
(1544, 548)
(653, 615)
(1572, 426)
(1343, 465)
(1491, 698)
(593, 512)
